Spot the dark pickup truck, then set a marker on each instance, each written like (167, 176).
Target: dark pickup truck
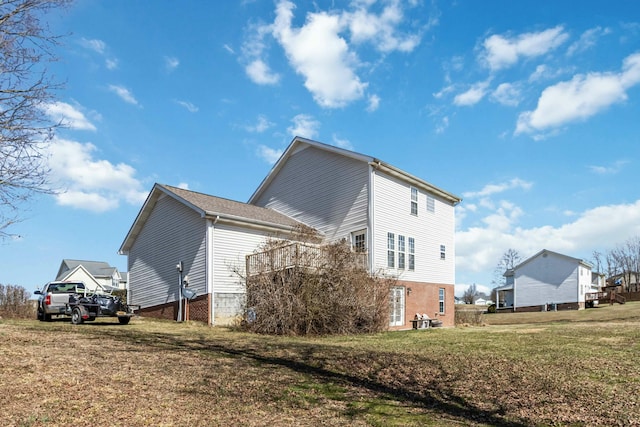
(74, 300)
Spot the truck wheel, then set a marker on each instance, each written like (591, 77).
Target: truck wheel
(40, 315)
(46, 317)
(76, 316)
(124, 320)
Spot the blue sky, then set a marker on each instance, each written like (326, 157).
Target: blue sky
(528, 110)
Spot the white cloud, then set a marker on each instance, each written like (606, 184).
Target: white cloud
(491, 189)
(228, 49)
(374, 103)
(111, 63)
(183, 185)
(473, 95)
(269, 154)
(188, 106)
(68, 115)
(507, 94)
(588, 232)
(587, 40)
(305, 126)
(262, 124)
(318, 53)
(609, 170)
(259, 72)
(124, 94)
(579, 98)
(171, 63)
(501, 52)
(342, 143)
(89, 183)
(95, 45)
(382, 29)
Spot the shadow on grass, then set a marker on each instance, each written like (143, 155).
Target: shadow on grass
(312, 360)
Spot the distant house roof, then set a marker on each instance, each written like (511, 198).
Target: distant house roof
(212, 207)
(299, 143)
(97, 269)
(546, 252)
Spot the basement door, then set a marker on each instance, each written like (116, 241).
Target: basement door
(396, 307)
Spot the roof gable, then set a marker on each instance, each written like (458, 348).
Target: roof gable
(207, 206)
(95, 268)
(546, 252)
(299, 143)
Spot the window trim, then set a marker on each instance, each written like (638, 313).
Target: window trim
(412, 254)
(401, 252)
(443, 252)
(354, 241)
(414, 201)
(441, 300)
(431, 204)
(391, 251)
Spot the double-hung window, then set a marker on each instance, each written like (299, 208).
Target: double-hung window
(441, 300)
(391, 250)
(412, 254)
(443, 253)
(401, 252)
(414, 201)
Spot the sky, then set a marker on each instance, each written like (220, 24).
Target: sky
(527, 110)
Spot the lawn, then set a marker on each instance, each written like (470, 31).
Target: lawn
(573, 368)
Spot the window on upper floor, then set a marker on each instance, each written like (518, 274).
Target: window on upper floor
(412, 254)
(443, 252)
(431, 204)
(391, 250)
(401, 252)
(414, 201)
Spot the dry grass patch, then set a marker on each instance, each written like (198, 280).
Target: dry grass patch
(161, 373)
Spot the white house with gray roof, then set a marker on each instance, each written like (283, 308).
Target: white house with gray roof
(96, 275)
(404, 224)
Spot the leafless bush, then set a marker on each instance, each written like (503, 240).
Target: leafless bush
(15, 303)
(304, 289)
(472, 316)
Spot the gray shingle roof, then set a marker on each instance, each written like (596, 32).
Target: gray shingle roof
(213, 206)
(95, 268)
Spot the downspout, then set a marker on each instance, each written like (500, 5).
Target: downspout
(211, 270)
(373, 166)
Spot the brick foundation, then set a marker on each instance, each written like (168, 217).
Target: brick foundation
(198, 310)
(424, 298)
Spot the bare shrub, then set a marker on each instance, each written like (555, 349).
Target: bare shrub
(15, 303)
(472, 316)
(310, 289)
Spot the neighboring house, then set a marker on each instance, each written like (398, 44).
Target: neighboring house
(403, 224)
(96, 275)
(547, 280)
(628, 280)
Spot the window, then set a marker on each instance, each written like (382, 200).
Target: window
(431, 204)
(359, 241)
(443, 254)
(396, 306)
(412, 254)
(391, 250)
(401, 253)
(414, 201)
(441, 300)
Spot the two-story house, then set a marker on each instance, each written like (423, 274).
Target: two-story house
(403, 223)
(547, 281)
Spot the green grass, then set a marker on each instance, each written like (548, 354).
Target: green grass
(566, 368)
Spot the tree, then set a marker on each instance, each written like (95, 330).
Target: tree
(25, 89)
(509, 260)
(470, 294)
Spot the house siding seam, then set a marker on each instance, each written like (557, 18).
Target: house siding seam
(324, 190)
(172, 233)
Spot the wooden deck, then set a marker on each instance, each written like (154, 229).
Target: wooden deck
(294, 255)
(607, 296)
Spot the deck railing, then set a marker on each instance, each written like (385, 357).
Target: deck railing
(295, 255)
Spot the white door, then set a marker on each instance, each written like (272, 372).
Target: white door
(396, 307)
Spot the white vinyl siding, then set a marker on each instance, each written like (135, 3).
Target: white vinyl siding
(428, 231)
(172, 233)
(230, 246)
(547, 278)
(338, 202)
